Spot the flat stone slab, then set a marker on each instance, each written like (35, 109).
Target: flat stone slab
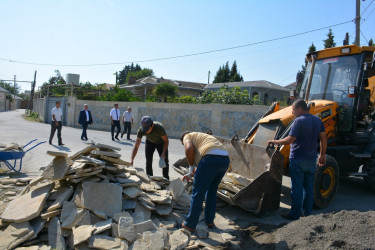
(57, 153)
(117, 216)
(105, 153)
(15, 234)
(101, 226)
(149, 240)
(63, 194)
(130, 170)
(82, 233)
(37, 224)
(143, 176)
(160, 196)
(178, 240)
(131, 192)
(201, 231)
(57, 169)
(8, 181)
(73, 219)
(176, 187)
(126, 229)
(34, 202)
(55, 238)
(114, 160)
(129, 204)
(145, 226)
(163, 209)
(48, 215)
(84, 151)
(103, 197)
(104, 242)
(93, 161)
(107, 147)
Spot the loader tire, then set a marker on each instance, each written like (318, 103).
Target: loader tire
(370, 178)
(326, 182)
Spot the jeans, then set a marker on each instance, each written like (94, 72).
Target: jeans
(118, 126)
(302, 173)
(149, 150)
(210, 170)
(127, 128)
(53, 130)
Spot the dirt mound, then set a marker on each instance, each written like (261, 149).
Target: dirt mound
(344, 230)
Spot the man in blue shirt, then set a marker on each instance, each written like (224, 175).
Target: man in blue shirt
(303, 137)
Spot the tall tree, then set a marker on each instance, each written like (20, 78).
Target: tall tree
(123, 74)
(346, 40)
(329, 42)
(301, 73)
(224, 74)
(234, 75)
(371, 42)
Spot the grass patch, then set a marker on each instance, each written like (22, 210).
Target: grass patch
(31, 116)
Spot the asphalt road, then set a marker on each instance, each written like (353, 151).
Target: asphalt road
(352, 194)
(14, 128)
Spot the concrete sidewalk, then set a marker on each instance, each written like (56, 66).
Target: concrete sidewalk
(14, 128)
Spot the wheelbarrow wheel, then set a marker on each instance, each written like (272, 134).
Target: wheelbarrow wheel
(326, 182)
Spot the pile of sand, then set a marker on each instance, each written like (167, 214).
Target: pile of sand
(344, 230)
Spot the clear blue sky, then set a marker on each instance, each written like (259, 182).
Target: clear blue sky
(79, 32)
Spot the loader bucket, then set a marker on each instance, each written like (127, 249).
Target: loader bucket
(263, 165)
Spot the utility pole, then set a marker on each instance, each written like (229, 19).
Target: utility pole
(14, 86)
(32, 91)
(357, 22)
(209, 77)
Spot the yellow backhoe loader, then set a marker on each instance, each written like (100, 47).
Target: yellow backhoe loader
(339, 87)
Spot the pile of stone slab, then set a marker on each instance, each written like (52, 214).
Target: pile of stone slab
(10, 147)
(230, 185)
(93, 199)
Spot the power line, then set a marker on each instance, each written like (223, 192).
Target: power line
(364, 36)
(367, 7)
(179, 56)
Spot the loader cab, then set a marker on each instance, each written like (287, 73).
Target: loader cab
(340, 77)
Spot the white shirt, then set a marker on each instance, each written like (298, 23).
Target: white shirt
(128, 116)
(87, 115)
(115, 115)
(58, 114)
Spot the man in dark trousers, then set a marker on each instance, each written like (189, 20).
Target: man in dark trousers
(56, 114)
(303, 137)
(156, 138)
(84, 120)
(115, 122)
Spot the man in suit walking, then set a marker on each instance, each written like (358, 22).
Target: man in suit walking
(84, 120)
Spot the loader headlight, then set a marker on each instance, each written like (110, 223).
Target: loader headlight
(345, 50)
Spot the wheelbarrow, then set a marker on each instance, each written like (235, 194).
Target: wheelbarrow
(5, 156)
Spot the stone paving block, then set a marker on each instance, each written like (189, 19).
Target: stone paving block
(116, 217)
(101, 215)
(149, 240)
(102, 146)
(55, 238)
(105, 153)
(126, 229)
(114, 230)
(103, 197)
(37, 224)
(114, 160)
(85, 219)
(129, 204)
(163, 209)
(228, 237)
(201, 231)
(57, 153)
(48, 215)
(143, 176)
(34, 202)
(68, 208)
(73, 219)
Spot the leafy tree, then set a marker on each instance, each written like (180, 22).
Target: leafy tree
(123, 74)
(165, 90)
(346, 40)
(89, 91)
(224, 74)
(301, 73)
(371, 42)
(57, 79)
(10, 87)
(135, 75)
(329, 42)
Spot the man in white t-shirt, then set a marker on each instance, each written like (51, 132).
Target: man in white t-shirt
(128, 122)
(115, 122)
(56, 114)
